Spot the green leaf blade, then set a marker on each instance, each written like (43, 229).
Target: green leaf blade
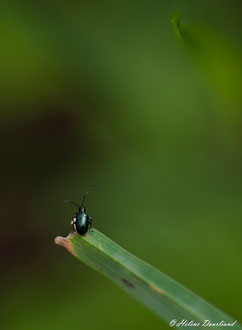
(217, 57)
(165, 297)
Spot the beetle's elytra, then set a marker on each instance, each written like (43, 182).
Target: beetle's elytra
(81, 222)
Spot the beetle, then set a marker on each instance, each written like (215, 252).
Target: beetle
(81, 222)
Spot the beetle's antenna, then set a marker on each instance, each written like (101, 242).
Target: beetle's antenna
(67, 201)
(84, 197)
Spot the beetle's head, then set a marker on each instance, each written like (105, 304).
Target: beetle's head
(82, 209)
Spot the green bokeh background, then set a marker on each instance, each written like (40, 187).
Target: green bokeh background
(103, 96)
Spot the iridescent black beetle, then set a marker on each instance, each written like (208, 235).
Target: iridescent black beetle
(81, 222)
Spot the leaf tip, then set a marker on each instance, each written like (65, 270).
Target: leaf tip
(59, 240)
(65, 242)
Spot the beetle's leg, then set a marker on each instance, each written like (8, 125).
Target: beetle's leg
(73, 222)
(90, 224)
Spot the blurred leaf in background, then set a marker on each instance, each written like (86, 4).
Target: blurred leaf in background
(100, 96)
(219, 58)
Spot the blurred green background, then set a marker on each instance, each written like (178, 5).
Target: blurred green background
(104, 96)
